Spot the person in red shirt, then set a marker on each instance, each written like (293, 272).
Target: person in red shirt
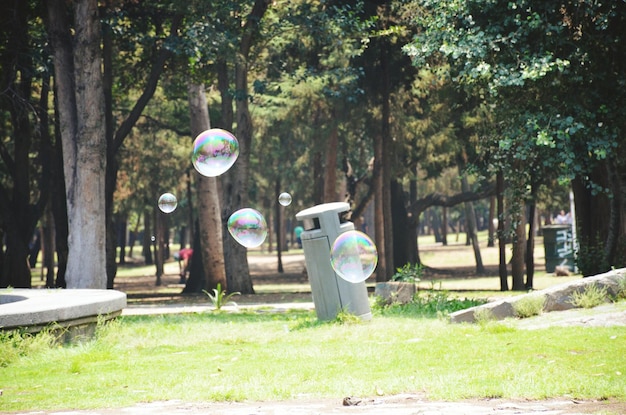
(184, 260)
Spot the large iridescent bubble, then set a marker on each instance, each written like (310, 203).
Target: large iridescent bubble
(167, 203)
(248, 227)
(214, 152)
(353, 256)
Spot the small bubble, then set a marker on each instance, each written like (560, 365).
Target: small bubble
(248, 227)
(284, 199)
(167, 203)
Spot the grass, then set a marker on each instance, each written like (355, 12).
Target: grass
(591, 296)
(265, 356)
(256, 356)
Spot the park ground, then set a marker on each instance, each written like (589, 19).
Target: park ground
(450, 268)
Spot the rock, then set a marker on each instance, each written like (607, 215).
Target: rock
(562, 271)
(557, 298)
(396, 291)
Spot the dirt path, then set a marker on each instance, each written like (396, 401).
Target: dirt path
(406, 404)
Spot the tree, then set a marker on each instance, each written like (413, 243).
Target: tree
(78, 78)
(526, 59)
(210, 225)
(22, 199)
(235, 181)
(154, 23)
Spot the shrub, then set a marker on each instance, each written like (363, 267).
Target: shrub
(528, 306)
(591, 296)
(483, 316)
(430, 303)
(408, 273)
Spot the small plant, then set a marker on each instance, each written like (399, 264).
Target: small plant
(408, 273)
(219, 298)
(529, 306)
(345, 317)
(593, 295)
(483, 316)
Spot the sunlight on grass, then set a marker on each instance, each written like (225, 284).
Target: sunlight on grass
(249, 356)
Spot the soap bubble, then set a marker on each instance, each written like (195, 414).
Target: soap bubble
(353, 256)
(248, 227)
(284, 199)
(167, 203)
(214, 152)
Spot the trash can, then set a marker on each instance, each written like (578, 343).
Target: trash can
(331, 293)
(558, 245)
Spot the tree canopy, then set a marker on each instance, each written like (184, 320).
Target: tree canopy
(365, 101)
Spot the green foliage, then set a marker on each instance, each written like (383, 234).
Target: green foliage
(590, 257)
(528, 306)
(591, 296)
(429, 303)
(408, 273)
(219, 298)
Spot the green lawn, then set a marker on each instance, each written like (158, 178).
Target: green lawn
(266, 356)
(217, 356)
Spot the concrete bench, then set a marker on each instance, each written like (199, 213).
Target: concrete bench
(72, 313)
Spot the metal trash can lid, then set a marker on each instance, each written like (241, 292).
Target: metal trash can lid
(316, 211)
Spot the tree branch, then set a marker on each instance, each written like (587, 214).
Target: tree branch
(438, 199)
(164, 126)
(153, 80)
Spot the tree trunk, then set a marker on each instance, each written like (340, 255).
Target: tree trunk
(470, 220)
(147, 239)
(236, 179)
(444, 227)
(18, 214)
(209, 213)
(491, 226)
(121, 225)
(594, 218)
(47, 237)
(80, 98)
(112, 164)
(518, 260)
(59, 212)
(197, 278)
(502, 271)
(158, 244)
(379, 223)
(235, 190)
(330, 172)
(190, 218)
(278, 218)
(530, 242)
(405, 235)
(387, 143)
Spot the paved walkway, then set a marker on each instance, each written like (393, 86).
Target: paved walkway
(137, 310)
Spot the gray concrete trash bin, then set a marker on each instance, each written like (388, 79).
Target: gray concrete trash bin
(331, 293)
